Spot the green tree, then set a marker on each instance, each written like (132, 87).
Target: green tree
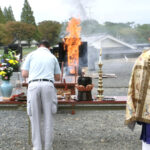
(129, 35)
(20, 31)
(2, 17)
(30, 32)
(91, 27)
(27, 14)
(8, 13)
(124, 31)
(50, 31)
(114, 28)
(143, 32)
(3, 34)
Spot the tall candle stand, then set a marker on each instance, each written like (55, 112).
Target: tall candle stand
(100, 90)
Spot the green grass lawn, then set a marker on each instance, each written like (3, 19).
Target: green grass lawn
(28, 50)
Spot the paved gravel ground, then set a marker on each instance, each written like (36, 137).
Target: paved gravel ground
(86, 130)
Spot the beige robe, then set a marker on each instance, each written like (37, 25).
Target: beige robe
(138, 101)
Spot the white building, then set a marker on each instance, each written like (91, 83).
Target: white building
(25, 43)
(111, 48)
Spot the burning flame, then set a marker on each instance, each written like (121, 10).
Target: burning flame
(72, 42)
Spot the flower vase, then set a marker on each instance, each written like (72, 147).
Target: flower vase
(6, 88)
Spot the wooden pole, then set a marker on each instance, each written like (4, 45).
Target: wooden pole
(62, 71)
(76, 73)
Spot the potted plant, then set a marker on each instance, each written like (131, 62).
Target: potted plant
(8, 63)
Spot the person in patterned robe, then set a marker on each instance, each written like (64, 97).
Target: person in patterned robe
(138, 100)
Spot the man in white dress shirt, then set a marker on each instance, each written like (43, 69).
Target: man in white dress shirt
(42, 69)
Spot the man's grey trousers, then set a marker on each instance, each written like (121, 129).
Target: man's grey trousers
(41, 105)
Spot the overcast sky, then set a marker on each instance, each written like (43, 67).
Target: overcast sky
(137, 11)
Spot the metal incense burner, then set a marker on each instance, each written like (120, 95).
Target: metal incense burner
(84, 88)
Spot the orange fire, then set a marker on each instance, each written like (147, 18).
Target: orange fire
(72, 42)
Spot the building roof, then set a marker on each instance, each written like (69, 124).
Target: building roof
(96, 40)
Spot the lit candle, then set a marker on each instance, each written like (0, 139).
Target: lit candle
(100, 51)
(100, 57)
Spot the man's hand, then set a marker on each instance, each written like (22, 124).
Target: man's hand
(57, 77)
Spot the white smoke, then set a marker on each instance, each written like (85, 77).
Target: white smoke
(80, 8)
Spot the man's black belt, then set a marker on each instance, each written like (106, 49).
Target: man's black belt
(40, 80)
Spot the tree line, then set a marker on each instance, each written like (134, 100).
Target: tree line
(27, 29)
(128, 32)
